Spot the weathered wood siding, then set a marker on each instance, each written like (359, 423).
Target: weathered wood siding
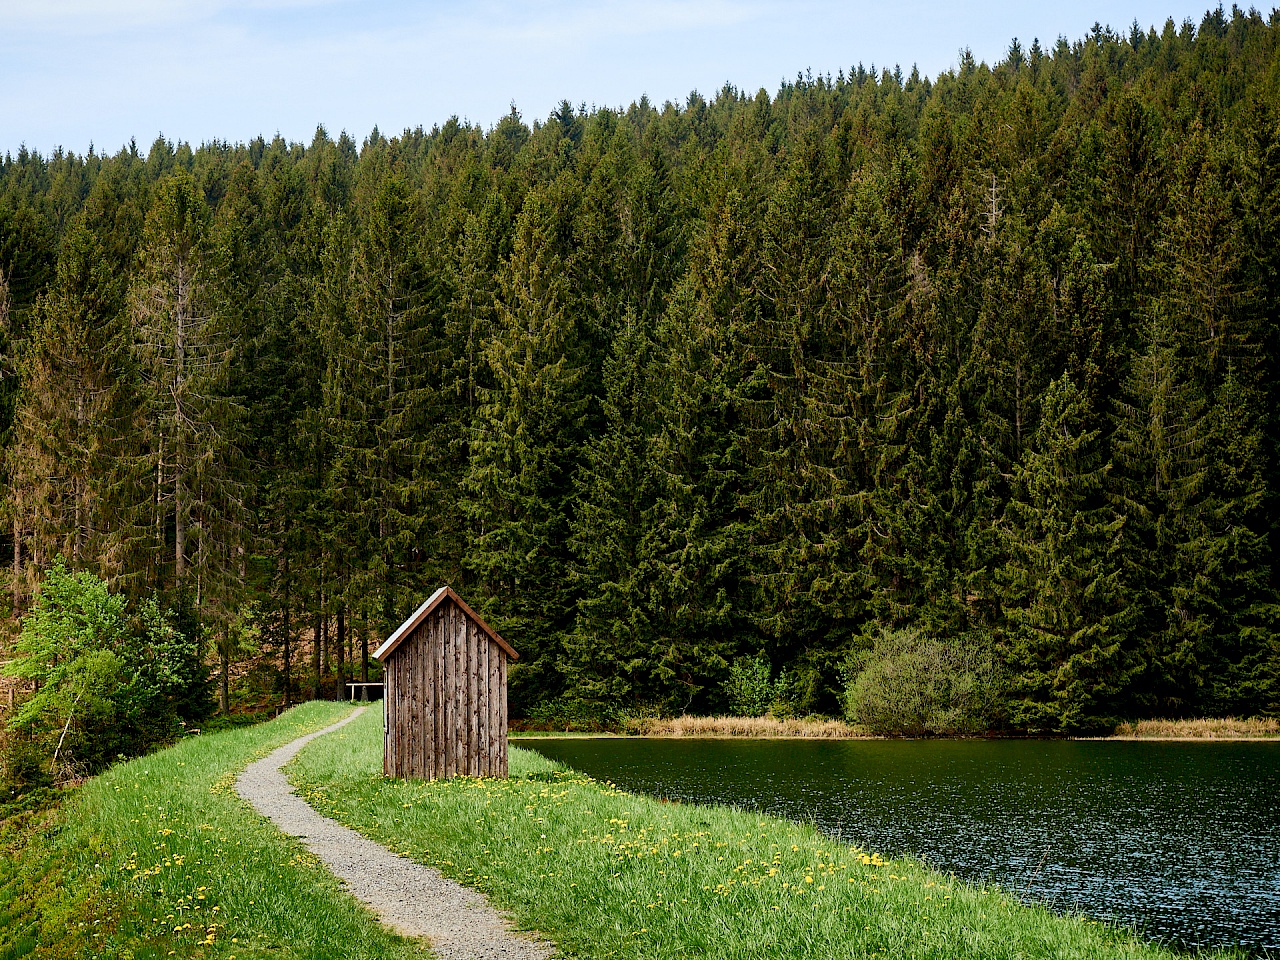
(446, 701)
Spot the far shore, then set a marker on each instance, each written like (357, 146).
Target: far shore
(1255, 729)
(1224, 728)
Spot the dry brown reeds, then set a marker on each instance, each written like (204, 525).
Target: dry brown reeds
(1228, 728)
(742, 727)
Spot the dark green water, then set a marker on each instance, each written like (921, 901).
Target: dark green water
(1181, 840)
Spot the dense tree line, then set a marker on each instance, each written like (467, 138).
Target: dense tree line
(992, 358)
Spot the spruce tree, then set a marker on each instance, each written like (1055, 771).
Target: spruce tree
(1069, 627)
(611, 655)
(387, 407)
(73, 421)
(1242, 661)
(797, 341)
(526, 448)
(182, 349)
(702, 597)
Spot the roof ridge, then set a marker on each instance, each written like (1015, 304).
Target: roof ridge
(446, 592)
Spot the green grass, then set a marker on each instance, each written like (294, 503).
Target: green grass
(609, 874)
(159, 858)
(160, 855)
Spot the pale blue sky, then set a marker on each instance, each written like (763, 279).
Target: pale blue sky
(74, 72)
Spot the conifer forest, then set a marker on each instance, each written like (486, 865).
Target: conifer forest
(974, 378)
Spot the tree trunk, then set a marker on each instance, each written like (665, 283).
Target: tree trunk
(17, 566)
(315, 659)
(77, 545)
(288, 692)
(179, 530)
(342, 652)
(158, 504)
(325, 651)
(180, 437)
(78, 486)
(53, 764)
(364, 660)
(224, 681)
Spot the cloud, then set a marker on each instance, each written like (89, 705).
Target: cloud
(537, 22)
(80, 17)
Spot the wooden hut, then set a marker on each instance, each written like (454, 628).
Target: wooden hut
(445, 700)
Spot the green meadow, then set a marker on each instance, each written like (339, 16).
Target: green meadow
(158, 857)
(605, 873)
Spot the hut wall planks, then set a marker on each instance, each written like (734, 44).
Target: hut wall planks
(446, 695)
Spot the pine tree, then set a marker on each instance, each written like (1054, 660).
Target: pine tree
(526, 449)
(1069, 627)
(182, 350)
(74, 419)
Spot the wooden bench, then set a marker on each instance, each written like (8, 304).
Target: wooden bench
(365, 695)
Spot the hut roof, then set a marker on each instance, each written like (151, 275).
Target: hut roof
(424, 611)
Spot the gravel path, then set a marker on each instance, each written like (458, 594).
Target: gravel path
(413, 899)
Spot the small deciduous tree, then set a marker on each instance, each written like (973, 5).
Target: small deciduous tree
(107, 681)
(749, 687)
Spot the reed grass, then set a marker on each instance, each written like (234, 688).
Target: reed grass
(763, 727)
(1227, 728)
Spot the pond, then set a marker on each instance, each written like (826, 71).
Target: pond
(1180, 840)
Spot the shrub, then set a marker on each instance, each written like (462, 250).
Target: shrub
(571, 714)
(22, 766)
(749, 689)
(107, 684)
(911, 684)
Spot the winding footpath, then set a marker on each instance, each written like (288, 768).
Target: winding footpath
(413, 899)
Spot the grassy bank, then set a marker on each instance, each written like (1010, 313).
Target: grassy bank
(808, 728)
(609, 874)
(802, 727)
(1255, 728)
(158, 857)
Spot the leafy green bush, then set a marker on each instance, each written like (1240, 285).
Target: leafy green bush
(571, 714)
(22, 766)
(911, 684)
(108, 683)
(750, 691)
